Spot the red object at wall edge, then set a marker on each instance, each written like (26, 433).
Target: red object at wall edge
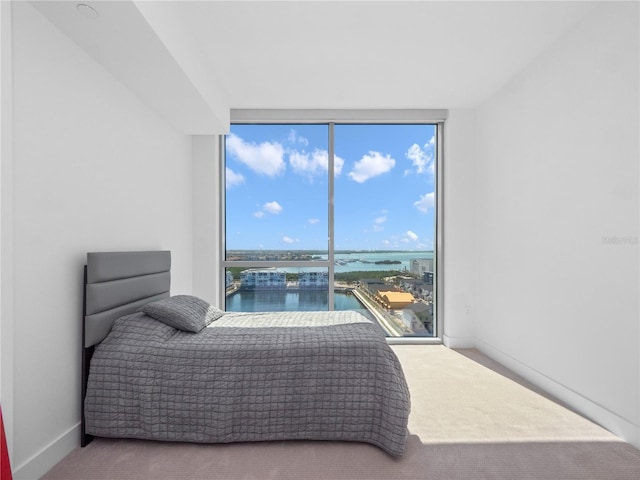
(5, 465)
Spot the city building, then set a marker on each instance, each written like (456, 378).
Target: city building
(419, 288)
(412, 322)
(372, 285)
(418, 266)
(394, 300)
(262, 278)
(313, 279)
(424, 312)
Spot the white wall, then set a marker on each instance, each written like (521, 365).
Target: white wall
(557, 229)
(6, 204)
(460, 253)
(93, 170)
(206, 221)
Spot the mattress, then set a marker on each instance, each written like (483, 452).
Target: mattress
(249, 377)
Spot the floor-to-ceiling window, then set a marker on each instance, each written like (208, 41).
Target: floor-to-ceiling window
(333, 215)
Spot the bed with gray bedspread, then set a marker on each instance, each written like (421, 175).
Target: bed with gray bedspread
(249, 377)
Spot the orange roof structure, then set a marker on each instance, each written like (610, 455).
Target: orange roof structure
(395, 300)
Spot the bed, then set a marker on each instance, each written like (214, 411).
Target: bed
(237, 377)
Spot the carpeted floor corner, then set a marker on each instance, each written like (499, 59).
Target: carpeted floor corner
(468, 421)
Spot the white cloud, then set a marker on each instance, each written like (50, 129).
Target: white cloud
(412, 236)
(303, 163)
(265, 159)
(418, 157)
(393, 242)
(377, 223)
(426, 202)
(423, 245)
(338, 163)
(272, 207)
(313, 221)
(314, 163)
(422, 158)
(294, 138)
(289, 240)
(232, 178)
(370, 166)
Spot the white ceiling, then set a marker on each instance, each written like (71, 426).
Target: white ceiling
(368, 54)
(313, 54)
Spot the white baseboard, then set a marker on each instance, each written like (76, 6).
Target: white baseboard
(458, 342)
(617, 425)
(40, 463)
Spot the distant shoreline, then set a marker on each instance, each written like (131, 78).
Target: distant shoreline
(324, 252)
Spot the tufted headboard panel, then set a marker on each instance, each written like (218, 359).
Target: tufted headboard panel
(117, 284)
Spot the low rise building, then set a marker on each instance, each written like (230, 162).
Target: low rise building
(394, 300)
(313, 279)
(262, 278)
(417, 287)
(424, 313)
(418, 266)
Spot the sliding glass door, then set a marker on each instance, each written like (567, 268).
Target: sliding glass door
(276, 218)
(384, 226)
(328, 216)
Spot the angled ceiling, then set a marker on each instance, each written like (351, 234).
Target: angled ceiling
(372, 54)
(218, 55)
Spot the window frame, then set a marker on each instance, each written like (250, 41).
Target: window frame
(332, 118)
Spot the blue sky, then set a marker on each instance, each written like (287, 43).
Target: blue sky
(277, 187)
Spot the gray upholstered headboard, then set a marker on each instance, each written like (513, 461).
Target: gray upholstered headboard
(118, 283)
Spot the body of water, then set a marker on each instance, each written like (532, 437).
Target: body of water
(309, 300)
(358, 261)
(286, 300)
(365, 261)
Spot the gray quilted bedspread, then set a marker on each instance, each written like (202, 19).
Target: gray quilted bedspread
(249, 377)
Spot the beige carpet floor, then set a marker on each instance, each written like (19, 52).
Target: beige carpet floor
(470, 419)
